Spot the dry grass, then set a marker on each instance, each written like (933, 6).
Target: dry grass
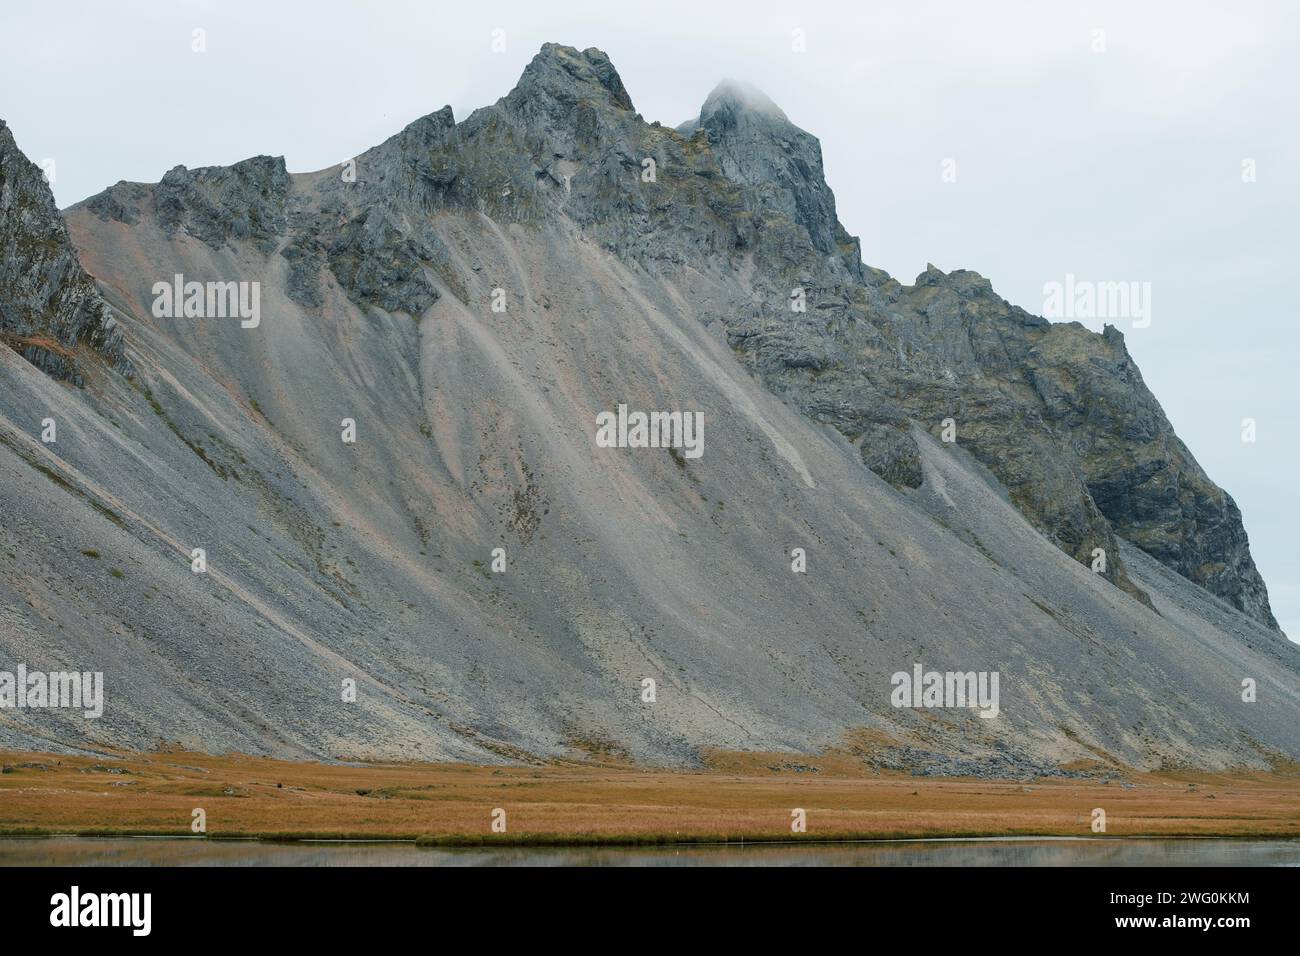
(19, 343)
(747, 796)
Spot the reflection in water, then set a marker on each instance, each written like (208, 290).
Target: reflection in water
(90, 851)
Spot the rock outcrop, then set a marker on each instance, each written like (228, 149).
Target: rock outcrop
(780, 165)
(50, 312)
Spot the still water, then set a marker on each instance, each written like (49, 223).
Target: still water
(1031, 851)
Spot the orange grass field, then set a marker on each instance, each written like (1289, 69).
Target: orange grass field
(741, 796)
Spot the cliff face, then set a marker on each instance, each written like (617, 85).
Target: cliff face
(698, 269)
(1139, 473)
(50, 312)
(1058, 413)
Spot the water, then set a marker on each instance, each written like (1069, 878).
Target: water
(1031, 851)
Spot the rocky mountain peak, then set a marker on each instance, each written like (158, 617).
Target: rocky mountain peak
(732, 98)
(562, 76)
(961, 283)
(429, 130)
(757, 146)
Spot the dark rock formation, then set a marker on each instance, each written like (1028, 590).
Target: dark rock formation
(214, 204)
(49, 307)
(1058, 413)
(756, 145)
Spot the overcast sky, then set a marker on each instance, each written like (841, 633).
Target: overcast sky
(1118, 164)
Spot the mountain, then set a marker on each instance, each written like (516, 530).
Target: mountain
(472, 296)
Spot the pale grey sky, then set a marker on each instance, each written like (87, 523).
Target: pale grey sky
(1117, 165)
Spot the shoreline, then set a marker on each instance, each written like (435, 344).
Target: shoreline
(614, 841)
(741, 799)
